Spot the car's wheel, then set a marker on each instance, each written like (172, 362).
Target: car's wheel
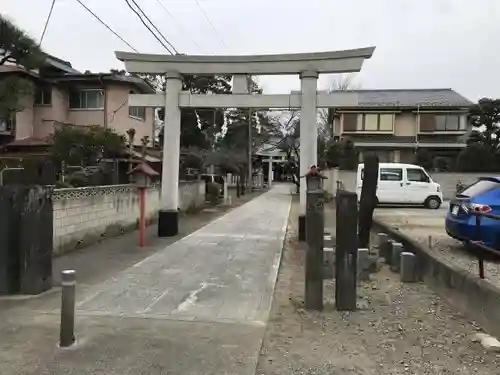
(433, 203)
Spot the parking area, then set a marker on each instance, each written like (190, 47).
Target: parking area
(421, 223)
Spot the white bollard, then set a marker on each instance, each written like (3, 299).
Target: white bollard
(226, 196)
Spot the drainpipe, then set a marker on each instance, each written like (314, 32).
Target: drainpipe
(105, 109)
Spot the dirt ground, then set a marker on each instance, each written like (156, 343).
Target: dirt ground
(399, 329)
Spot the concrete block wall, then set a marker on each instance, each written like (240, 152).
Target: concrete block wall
(84, 215)
(191, 194)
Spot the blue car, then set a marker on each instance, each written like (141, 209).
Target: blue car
(482, 196)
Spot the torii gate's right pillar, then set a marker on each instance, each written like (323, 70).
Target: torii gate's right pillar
(308, 138)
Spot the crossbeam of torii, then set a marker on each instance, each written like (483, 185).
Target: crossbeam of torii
(307, 65)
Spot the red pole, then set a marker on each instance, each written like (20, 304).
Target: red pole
(142, 219)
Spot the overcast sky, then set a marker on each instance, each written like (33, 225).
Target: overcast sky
(419, 44)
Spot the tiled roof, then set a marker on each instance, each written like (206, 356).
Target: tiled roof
(412, 98)
(109, 77)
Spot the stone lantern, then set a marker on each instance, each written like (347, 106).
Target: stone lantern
(314, 179)
(141, 176)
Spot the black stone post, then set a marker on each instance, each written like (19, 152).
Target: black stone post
(368, 200)
(315, 225)
(67, 329)
(302, 227)
(26, 241)
(237, 186)
(346, 250)
(168, 223)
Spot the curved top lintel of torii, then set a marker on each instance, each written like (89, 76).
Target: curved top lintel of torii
(321, 62)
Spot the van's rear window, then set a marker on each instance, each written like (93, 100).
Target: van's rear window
(480, 187)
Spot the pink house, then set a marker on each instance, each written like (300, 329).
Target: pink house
(64, 95)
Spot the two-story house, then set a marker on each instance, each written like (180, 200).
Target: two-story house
(64, 95)
(394, 123)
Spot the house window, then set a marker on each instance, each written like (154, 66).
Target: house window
(137, 112)
(442, 122)
(447, 122)
(43, 96)
(86, 99)
(349, 121)
(368, 122)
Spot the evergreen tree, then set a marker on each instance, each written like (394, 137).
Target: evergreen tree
(16, 48)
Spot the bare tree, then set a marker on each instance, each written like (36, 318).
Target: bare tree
(284, 134)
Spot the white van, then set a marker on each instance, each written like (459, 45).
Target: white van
(404, 184)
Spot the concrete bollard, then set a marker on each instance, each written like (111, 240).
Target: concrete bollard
(363, 266)
(328, 263)
(388, 252)
(383, 239)
(67, 329)
(408, 263)
(397, 250)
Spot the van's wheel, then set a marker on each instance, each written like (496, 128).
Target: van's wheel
(433, 203)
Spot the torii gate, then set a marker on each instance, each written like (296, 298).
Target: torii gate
(307, 65)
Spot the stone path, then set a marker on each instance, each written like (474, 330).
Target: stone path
(197, 307)
(224, 271)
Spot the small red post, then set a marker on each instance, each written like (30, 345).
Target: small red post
(142, 214)
(142, 175)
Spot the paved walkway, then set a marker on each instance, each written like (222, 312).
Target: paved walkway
(197, 307)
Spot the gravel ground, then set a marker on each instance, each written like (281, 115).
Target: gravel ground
(420, 224)
(400, 329)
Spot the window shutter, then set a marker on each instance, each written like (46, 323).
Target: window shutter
(349, 122)
(427, 122)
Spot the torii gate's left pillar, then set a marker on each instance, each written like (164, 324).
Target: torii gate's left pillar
(168, 217)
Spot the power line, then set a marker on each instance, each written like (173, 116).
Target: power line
(210, 23)
(105, 25)
(178, 23)
(151, 31)
(47, 21)
(158, 30)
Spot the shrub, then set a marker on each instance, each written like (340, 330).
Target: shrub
(342, 154)
(423, 158)
(441, 164)
(213, 192)
(476, 158)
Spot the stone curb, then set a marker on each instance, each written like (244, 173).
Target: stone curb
(466, 292)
